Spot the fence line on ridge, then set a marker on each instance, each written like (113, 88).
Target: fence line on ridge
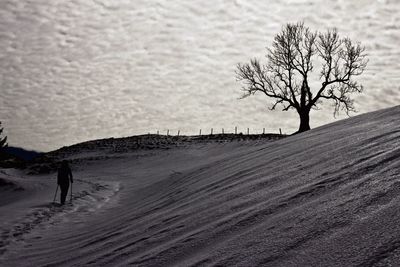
(223, 132)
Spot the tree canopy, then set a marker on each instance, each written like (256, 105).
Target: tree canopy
(291, 63)
(3, 140)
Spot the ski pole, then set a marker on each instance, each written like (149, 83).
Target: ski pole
(71, 193)
(55, 195)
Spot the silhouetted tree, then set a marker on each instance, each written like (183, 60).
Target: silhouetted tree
(3, 140)
(290, 65)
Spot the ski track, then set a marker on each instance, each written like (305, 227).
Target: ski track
(45, 215)
(328, 197)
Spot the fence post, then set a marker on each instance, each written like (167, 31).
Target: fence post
(248, 131)
(263, 130)
(168, 132)
(200, 132)
(235, 129)
(158, 132)
(222, 130)
(280, 131)
(211, 131)
(179, 131)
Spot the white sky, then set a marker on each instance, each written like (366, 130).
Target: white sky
(71, 71)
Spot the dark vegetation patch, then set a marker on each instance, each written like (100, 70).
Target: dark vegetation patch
(16, 157)
(4, 183)
(8, 185)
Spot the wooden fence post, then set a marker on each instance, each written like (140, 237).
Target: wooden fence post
(235, 129)
(222, 130)
(263, 130)
(179, 131)
(168, 132)
(200, 132)
(248, 131)
(211, 131)
(280, 131)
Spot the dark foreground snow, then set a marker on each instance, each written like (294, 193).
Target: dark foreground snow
(328, 197)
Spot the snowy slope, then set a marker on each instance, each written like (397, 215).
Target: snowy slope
(328, 197)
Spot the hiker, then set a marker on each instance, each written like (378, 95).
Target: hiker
(63, 178)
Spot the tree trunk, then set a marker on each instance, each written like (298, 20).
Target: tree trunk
(304, 121)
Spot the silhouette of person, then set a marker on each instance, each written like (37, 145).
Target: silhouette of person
(63, 178)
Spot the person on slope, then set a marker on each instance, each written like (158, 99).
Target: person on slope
(63, 178)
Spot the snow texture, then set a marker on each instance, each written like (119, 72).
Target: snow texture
(327, 197)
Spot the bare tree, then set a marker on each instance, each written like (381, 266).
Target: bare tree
(3, 140)
(290, 63)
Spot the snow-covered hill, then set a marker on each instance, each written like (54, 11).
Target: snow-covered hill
(327, 197)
